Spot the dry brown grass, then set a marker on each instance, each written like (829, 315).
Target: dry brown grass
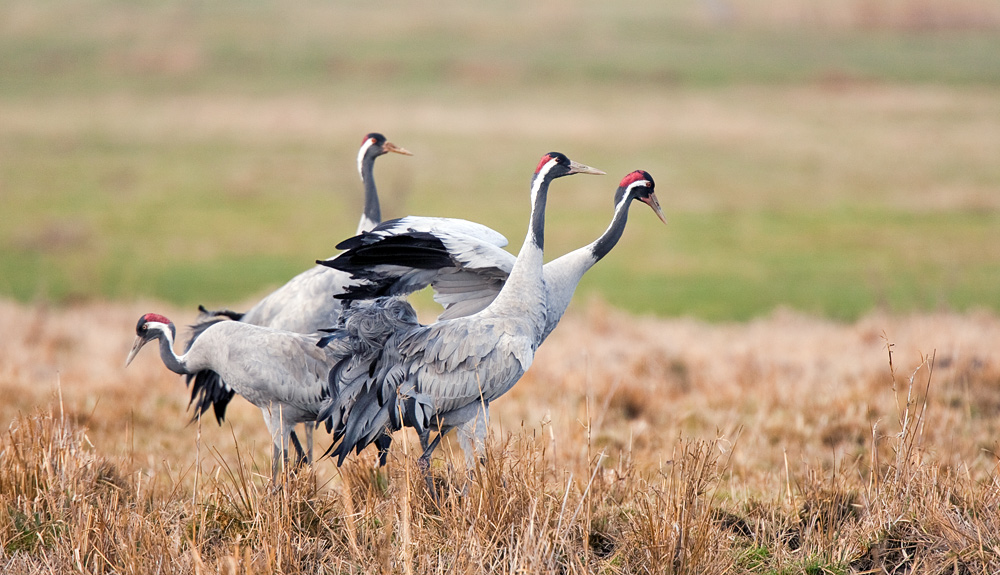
(634, 445)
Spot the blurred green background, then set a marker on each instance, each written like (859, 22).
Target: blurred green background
(834, 157)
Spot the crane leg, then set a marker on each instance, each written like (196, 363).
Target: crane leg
(282, 433)
(300, 455)
(276, 459)
(307, 428)
(383, 443)
(424, 462)
(425, 458)
(472, 437)
(279, 453)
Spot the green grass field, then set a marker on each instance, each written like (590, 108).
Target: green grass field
(831, 161)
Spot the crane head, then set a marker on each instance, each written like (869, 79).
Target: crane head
(373, 146)
(639, 185)
(151, 326)
(555, 165)
(380, 145)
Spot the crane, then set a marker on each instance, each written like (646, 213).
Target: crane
(303, 305)
(441, 376)
(282, 373)
(465, 263)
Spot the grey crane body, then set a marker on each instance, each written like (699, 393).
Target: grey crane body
(465, 267)
(304, 304)
(444, 376)
(282, 373)
(432, 378)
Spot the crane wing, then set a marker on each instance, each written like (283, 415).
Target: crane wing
(463, 262)
(304, 305)
(295, 366)
(265, 365)
(461, 362)
(359, 344)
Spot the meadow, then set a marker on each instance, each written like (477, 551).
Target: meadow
(798, 374)
(832, 159)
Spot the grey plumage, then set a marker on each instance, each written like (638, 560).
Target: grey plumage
(282, 373)
(304, 304)
(443, 376)
(465, 266)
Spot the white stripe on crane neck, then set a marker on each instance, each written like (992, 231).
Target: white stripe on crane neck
(165, 328)
(643, 183)
(628, 193)
(540, 176)
(361, 155)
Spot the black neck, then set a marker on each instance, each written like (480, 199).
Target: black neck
(372, 210)
(523, 285)
(537, 230)
(610, 237)
(168, 356)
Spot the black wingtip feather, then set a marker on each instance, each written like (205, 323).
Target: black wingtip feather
(227, 313)
(421, 250)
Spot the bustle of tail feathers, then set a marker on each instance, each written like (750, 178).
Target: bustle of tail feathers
(208, 390)
(378, 418)
(362, 410)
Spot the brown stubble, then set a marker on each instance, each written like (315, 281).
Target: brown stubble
(633, 445)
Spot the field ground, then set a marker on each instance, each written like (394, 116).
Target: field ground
(634, 444)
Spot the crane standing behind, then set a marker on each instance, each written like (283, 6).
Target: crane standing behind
(303, 305)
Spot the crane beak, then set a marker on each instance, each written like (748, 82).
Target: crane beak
(578, 168)
(655, 204)
(390, 147)
(136, 346)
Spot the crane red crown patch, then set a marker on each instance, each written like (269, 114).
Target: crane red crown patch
(545, 159)
(635, 177)
(156, 317)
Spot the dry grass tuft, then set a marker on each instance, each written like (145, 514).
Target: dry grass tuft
(784, 445)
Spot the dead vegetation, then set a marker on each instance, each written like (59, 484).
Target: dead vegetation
(635, 445)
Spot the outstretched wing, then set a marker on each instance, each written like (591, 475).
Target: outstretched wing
(463, 262)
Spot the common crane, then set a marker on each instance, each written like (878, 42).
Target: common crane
(444, 375)
(281, 372)
(304, 304)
